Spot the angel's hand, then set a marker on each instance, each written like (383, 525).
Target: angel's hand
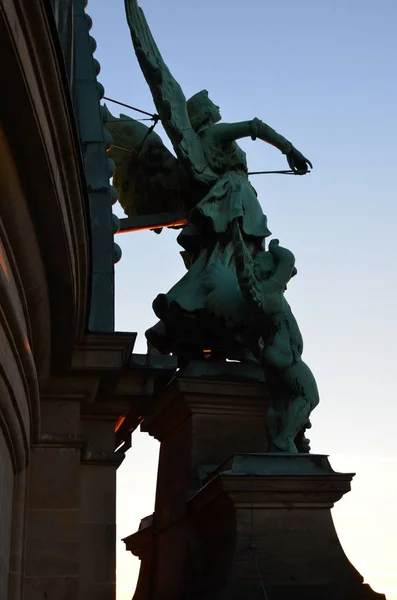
(297, 162)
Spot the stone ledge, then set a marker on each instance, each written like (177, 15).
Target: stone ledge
(185, 397)
(111, 459)
(61, 440)
(275, 463)
(274, 480)
(103, 351)
(140, 542)
(208, 370)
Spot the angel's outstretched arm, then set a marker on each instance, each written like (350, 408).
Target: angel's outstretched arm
(257, 129)
(253, 129)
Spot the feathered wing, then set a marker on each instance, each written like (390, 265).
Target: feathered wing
(168, 97)
(148, 178)
(249, 284)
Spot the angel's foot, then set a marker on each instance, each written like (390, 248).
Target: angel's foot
(301, 441)
(303, 444)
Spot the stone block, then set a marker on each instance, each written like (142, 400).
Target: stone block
(99, 434)
(60, 417)
(18, 536)
(98, 494)
(6, 501)
(97, 591)
(97, 553)
(52, 543)
(51, 588)
(54, 478)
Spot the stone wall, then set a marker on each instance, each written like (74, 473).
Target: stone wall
(62, 388)
(6, 497)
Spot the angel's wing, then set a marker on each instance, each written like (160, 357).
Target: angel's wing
(249, 284)
(148, 178)
(168, 97)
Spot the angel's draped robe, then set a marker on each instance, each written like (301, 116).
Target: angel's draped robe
(207, 238)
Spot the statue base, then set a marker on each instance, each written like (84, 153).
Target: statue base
(266, 530)
(253, 526)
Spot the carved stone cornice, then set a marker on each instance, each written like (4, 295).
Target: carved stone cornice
(103, 351)
(61, 440)
(111, 459)
(140, 542)
(107, 379)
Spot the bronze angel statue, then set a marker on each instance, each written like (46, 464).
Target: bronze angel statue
(213, 186)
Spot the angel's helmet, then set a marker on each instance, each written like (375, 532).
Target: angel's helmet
(202, 110)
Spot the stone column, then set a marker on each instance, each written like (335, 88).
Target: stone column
(17, 560)
(53, 518)
(199, 422)
(97, 551)
(53, 507)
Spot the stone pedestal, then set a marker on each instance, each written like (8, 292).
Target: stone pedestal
(232, 520)
(266, 530)
(200, 423)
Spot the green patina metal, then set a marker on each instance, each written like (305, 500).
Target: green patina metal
(98, 169)
(262, 282)
(271, 463)
(148, 178)
(230, 304)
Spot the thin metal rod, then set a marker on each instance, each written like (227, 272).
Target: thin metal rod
(287, 172)
(129, 150)
(144, 112)
(129, 120)
(149, 131)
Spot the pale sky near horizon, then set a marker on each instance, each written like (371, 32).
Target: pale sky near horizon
(323, 74)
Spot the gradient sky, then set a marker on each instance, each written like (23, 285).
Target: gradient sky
(323, 74)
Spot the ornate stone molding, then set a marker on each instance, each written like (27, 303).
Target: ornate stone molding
(54, 181)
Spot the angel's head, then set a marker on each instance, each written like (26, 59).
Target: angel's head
(265, 266)
(202, 111)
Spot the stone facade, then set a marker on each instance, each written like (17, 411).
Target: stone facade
(6, 498)
(66, 378)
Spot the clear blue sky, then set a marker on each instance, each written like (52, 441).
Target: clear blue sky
(323, 74)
